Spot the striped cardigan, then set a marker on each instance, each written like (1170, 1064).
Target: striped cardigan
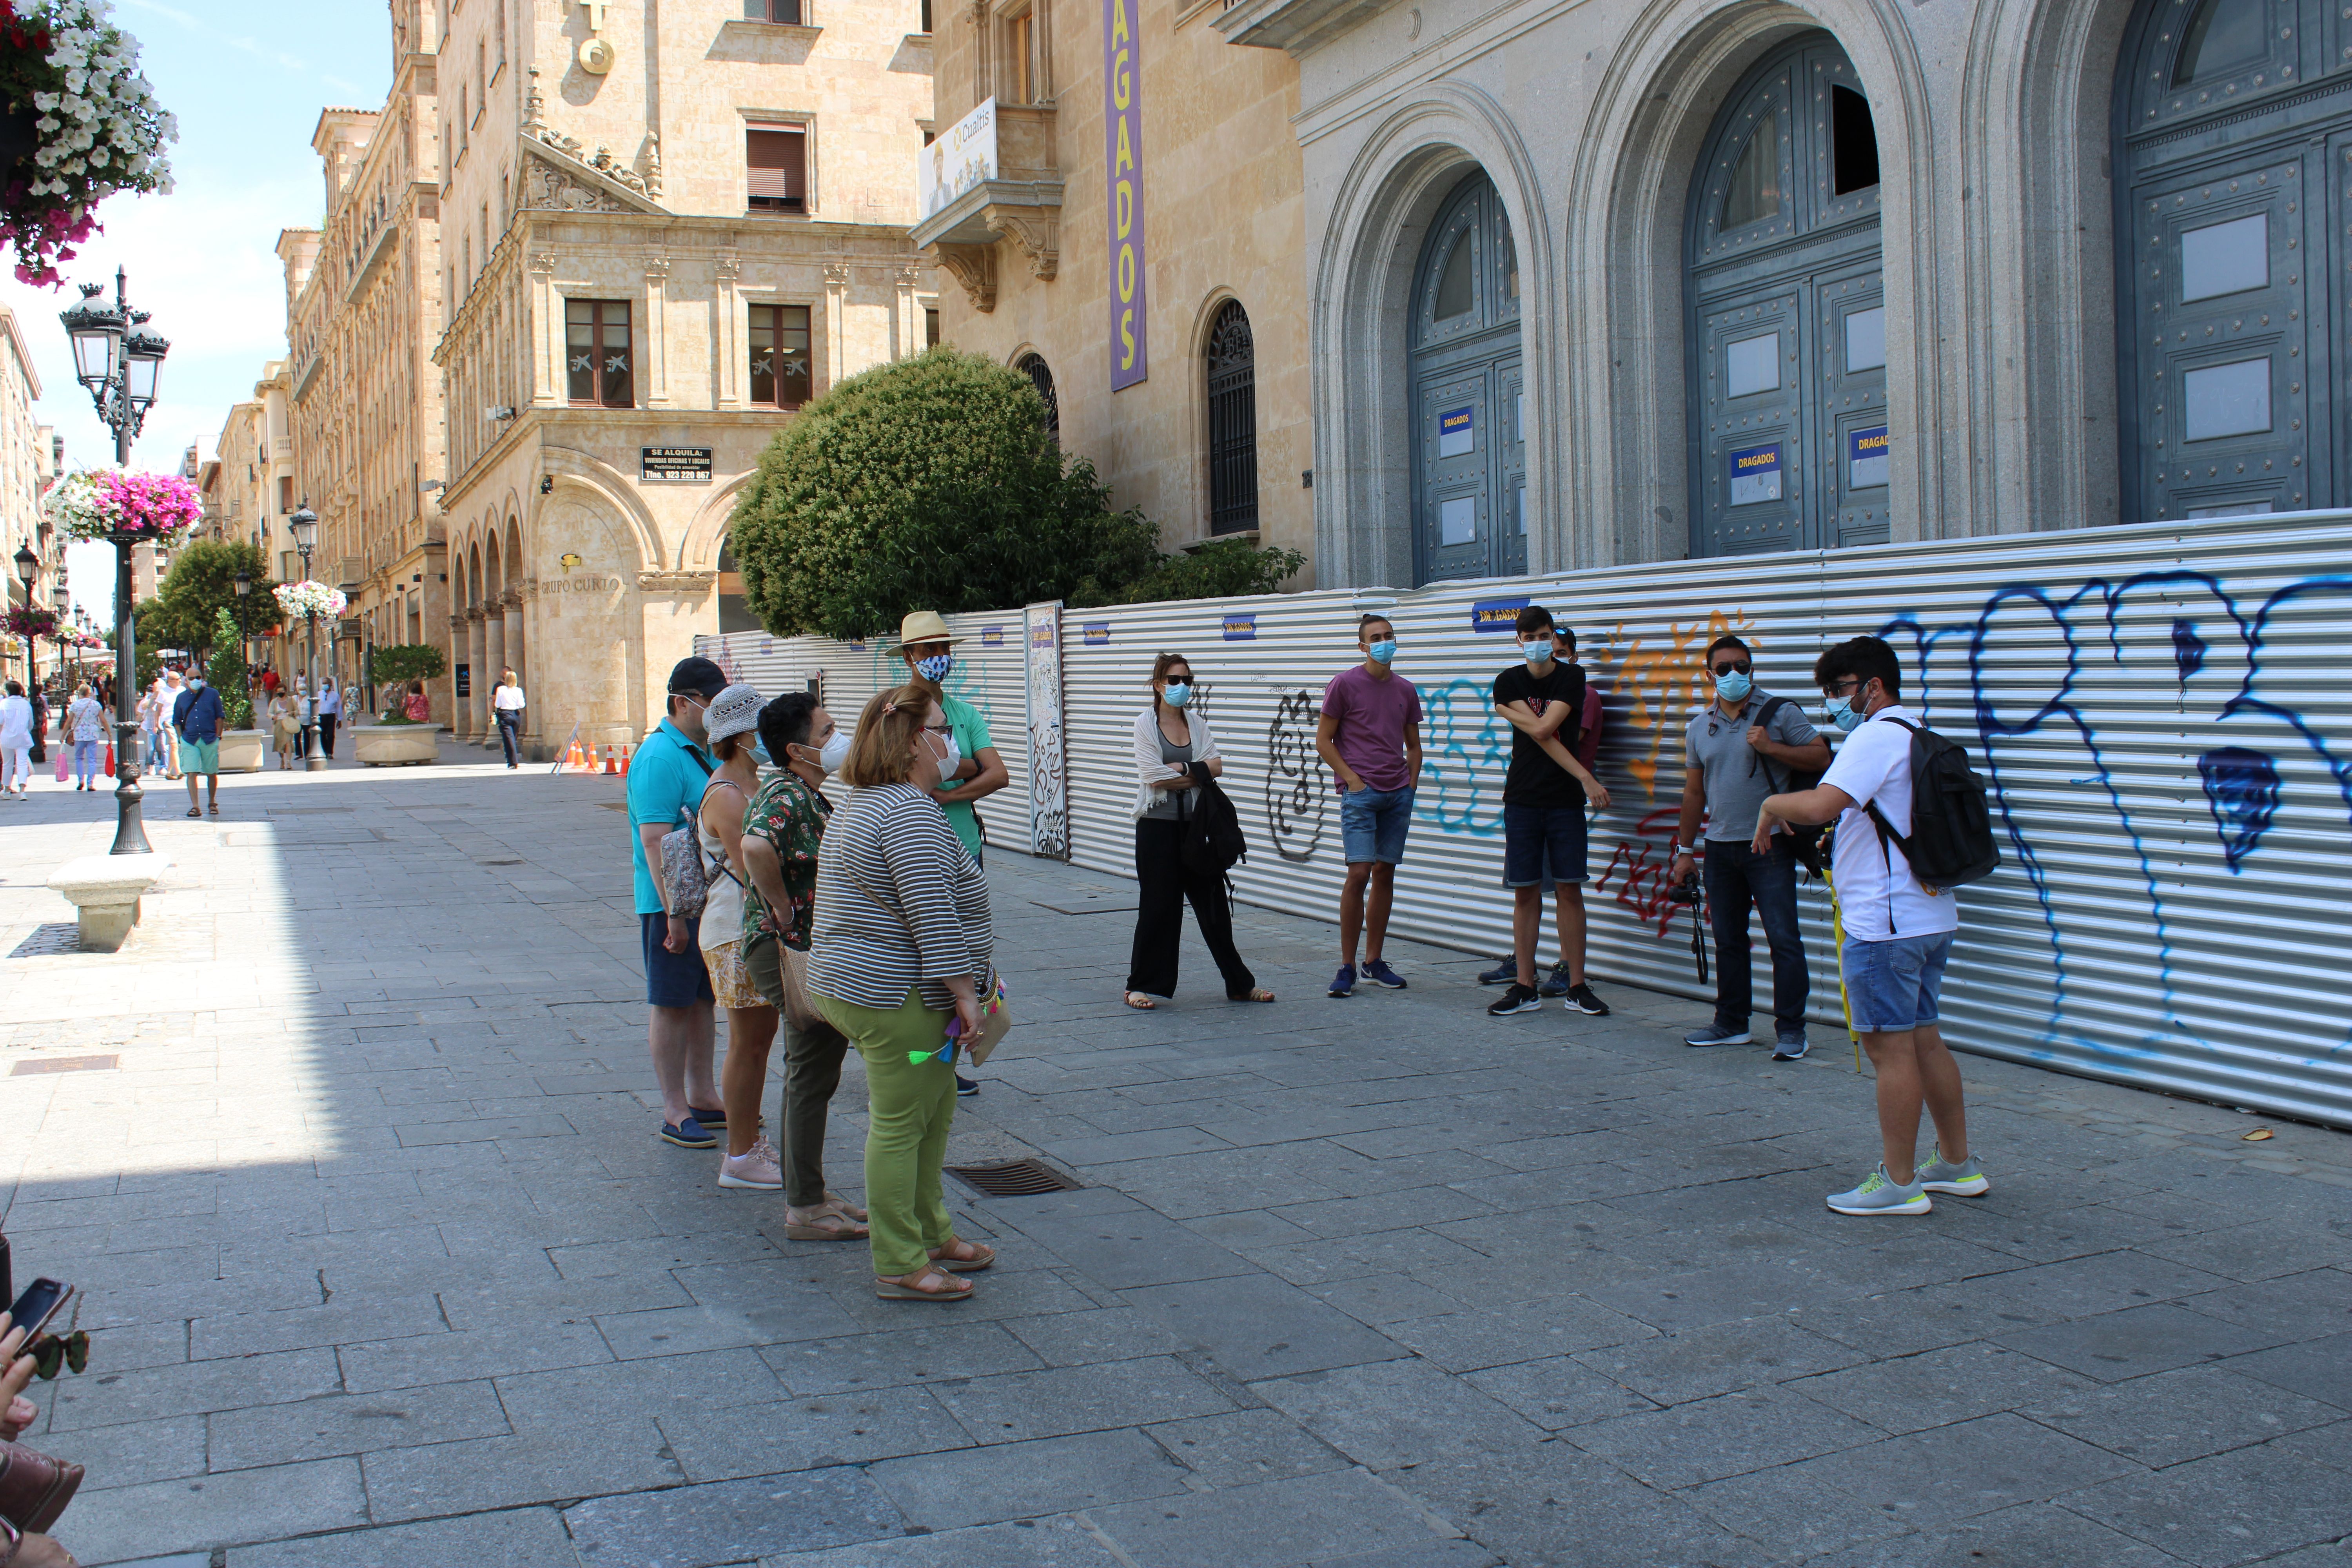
(899, 905)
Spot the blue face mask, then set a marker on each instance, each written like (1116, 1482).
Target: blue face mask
(1384, 651)
(1537, 652)
(935, 667)
(1841, 714)
(1176, 694)
(760, 752)
(1733, 686)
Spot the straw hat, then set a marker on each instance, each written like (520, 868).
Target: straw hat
(922, 627)
(734, 712)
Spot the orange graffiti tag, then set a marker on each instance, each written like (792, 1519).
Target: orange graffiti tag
(1664, 680)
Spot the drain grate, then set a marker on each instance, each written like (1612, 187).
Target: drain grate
(64, 1064)
(1013, 1178)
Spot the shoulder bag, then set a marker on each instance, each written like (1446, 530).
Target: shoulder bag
(686, 875)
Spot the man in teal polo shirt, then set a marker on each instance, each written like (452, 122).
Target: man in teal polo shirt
(926, 644)
(929, 648)
(666, 778)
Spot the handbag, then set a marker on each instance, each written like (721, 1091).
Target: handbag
(780, 973)
(685, 873)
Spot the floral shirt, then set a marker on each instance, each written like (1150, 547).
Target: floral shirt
(790, 815)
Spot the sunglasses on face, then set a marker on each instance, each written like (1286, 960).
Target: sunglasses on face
(49, 1352)
(1741, 667)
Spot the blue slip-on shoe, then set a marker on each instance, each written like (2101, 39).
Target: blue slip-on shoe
(965, 1088)
(712, 1121)
(687, 1134)
(1377, 971)
(1344, 983)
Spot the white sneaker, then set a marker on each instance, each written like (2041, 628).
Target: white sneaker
(759, 1167)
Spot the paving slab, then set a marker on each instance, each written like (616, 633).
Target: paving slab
(1029, 1480)
(729, 1521)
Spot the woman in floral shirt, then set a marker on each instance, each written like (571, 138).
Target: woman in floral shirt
(781, 828)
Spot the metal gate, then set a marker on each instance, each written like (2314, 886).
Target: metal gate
(1469, 434)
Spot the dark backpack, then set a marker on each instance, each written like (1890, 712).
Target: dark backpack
(1806, 838)
(1214, 840)
(1951, 840)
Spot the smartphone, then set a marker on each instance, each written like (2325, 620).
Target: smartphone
(39, 1304)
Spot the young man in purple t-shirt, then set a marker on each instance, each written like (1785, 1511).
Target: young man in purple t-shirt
(1369, 737)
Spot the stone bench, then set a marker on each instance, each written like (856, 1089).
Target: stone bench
(105, 891)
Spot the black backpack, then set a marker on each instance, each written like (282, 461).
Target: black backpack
(1805, 836)
(1951, 840)
(1214, 840)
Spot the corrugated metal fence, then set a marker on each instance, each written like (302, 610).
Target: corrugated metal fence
(2161, 713)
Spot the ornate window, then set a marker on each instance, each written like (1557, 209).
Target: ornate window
(1233, 422)
(597, 356)
(776, 160)
(780, 354)
(1033, 367)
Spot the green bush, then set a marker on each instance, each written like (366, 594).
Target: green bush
(929, 483)
(405, 662)
(200, 590)
(226, 671)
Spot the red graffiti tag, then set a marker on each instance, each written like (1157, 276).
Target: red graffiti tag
(1647, 864)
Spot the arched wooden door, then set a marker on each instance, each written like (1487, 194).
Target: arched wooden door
(1469, 445)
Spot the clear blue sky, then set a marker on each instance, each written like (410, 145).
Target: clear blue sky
(247, 79)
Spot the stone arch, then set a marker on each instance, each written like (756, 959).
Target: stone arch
(1197, 479)
(1625, 372)
(575, 473)
(1401, 176)
(706, 533)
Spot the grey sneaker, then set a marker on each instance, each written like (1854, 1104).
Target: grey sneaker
(1879, 1194)
(1940, 1176)
(1717, 1034)
(1788, 1044)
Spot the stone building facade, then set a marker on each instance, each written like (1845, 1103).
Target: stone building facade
(1649, 278)
(28, 457)
(1213, 438)
(364, 311)
(666, 229)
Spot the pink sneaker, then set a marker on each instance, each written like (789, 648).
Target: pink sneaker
(759, 1167)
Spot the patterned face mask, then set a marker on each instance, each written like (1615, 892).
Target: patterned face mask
(935, 667)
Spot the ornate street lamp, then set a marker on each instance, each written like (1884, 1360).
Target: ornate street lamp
(244, 581)
(28, 566)
(62, 602)
(119, 361)
(304, 526)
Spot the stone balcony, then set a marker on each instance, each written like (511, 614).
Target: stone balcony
(1294, 26)
(1022, 205)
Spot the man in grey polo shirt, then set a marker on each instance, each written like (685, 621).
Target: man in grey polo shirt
(1738, 749)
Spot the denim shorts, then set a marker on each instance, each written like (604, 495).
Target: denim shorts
(673, 979)
(1542, 844)
(1893, 985)
(1373, 824)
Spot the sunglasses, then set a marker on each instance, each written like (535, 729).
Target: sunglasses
(1740, 667)
(49, 1352)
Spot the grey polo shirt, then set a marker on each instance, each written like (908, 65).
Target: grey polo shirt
(1737, 778)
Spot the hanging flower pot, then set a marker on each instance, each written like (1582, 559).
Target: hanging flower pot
(310, 598)
(128, 506)
(32, 621)
(79, 124)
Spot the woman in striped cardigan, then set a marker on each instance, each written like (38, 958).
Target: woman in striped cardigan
(901, 941)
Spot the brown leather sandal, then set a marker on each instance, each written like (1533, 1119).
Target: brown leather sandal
(977, 1257)
(825, 1224)
(950, 1287)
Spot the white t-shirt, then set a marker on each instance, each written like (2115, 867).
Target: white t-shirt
(15, 722)
(1876, 893)
(506, 698)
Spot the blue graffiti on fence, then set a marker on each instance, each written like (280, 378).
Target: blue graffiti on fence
(2078, 665)
(1465, 736)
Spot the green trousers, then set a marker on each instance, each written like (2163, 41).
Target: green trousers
(911, 1108)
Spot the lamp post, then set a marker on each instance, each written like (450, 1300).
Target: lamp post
(117, 361)
(63, 603)
(244, 582)
(28, 566)
(304, 526)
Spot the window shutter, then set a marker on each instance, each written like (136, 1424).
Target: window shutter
(778, 168)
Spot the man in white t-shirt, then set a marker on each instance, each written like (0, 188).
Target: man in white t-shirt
(1898, 932)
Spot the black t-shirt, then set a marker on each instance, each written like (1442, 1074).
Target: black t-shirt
(1534, 778)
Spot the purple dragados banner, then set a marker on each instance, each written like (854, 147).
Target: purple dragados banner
(1130, 354)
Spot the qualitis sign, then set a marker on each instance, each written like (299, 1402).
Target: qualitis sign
(1130, 357)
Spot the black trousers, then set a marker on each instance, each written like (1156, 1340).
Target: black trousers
(510, 725)
(1163, 885)
(327, 734)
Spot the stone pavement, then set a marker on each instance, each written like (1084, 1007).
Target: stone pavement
(388, 1269)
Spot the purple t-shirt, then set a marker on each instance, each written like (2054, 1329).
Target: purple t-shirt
(1373, 714)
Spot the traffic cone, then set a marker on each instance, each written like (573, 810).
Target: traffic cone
(611, 765)
(624, 759)
(571, 758)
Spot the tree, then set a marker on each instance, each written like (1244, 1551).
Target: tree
(930, 483)
(226, 672)
(202, 584)
(405, 662)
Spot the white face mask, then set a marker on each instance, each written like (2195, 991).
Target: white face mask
(832, 754)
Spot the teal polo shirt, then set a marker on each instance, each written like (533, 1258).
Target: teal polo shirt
(970, 727)
(666, 776)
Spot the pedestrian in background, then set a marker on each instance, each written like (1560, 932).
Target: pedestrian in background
(85, 727)
(506, 706)
(1738, 749)
(1170, 741)
(419, 706)
(782, 829)
(168, 689)
(196, 718)
(1369, 737)
(1898, 932)
(15, 741)
(1545, 792)
(330, 709)
(902, 940)
(666, 785)
(730, 730)
(150, 715)
(284, 727)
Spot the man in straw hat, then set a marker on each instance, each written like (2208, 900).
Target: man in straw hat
(929, 648)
